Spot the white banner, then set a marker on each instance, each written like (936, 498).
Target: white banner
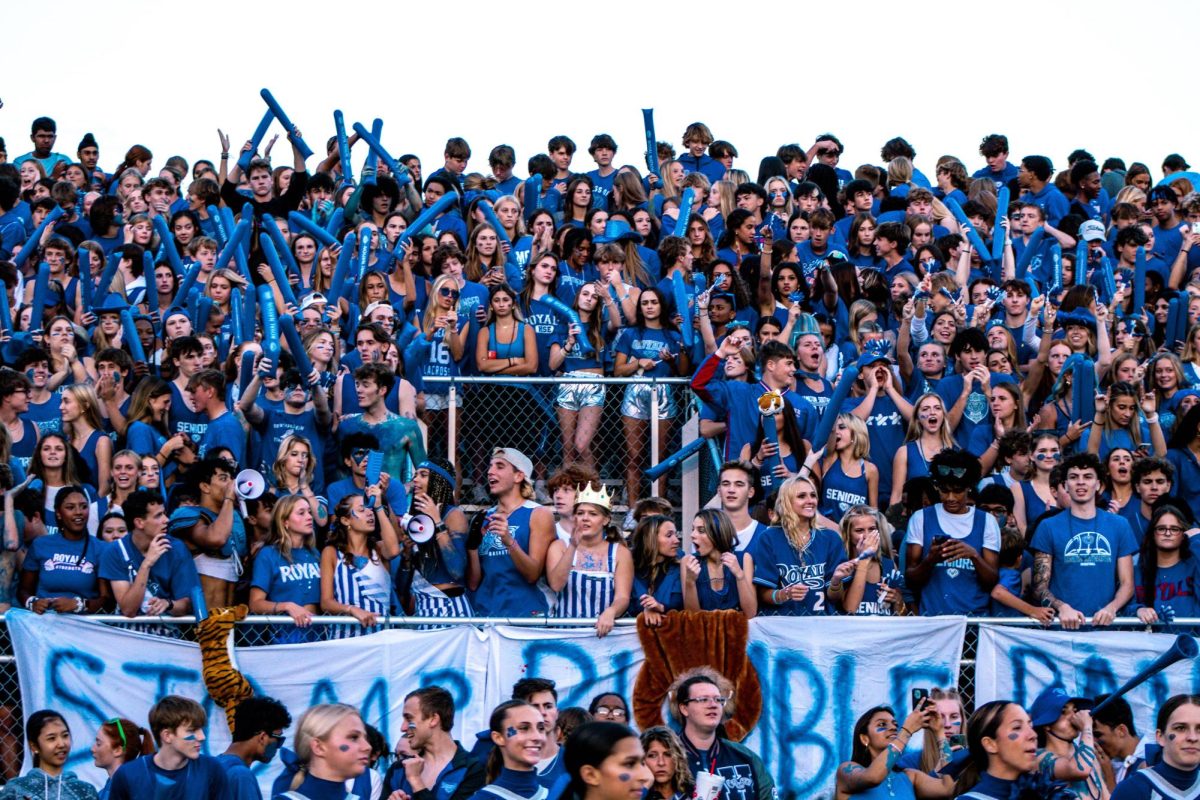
(1018, 663)
(92, 672)
(817, 675)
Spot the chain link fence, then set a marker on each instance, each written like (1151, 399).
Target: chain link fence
(555, 421)
(255, 632)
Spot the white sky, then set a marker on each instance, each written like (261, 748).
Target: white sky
(1114, 77)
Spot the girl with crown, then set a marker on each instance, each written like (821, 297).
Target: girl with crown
(593, 572)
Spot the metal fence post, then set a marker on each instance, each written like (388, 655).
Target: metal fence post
(654, 454)
(452, 425)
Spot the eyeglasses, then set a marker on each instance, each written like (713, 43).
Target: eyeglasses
(1173, 530)
(605, 711)
(453, 294)
(1048, 457)
(708, 701)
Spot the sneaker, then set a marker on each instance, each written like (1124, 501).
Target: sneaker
(630, 523)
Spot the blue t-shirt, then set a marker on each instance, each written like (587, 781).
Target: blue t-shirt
(225, 431)
(1001, 178)
(777, 564)
(976, 413)
(1175, 586)
(1085, 553)
(48, 415)
(668, 591)
(172, 577)
(1050, 200)
(65, 568)
(886, 429)
(201, 779)
(240, 781)
(635, 343)
(298, 581)
(1187, 478)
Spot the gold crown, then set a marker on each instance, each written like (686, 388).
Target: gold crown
(585, 494)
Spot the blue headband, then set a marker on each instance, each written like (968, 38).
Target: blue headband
(429, 465)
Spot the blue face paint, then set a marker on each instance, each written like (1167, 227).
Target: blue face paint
(1170, 737)
(191, 737)
(510, 732)
(624, 777)
(345, 748)
(1012, 737)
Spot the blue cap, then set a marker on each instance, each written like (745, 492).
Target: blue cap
(1048, 706)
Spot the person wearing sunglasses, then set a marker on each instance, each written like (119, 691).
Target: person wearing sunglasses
(256, 737)
(953, 549)
(1083, 557)
(1037, 493)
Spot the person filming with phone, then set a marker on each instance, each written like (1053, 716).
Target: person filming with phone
(953, 549)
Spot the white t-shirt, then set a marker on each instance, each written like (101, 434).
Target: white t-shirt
(956, 526)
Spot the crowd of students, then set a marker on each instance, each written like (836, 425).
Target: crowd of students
(928, 402)
(534, 750)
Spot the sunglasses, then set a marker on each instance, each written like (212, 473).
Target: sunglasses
(951, 472)
(453, 294)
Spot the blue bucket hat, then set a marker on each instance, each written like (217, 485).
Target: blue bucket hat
(1049, 705)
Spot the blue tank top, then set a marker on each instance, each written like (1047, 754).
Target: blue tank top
(513, 349)
(503, 592)
(918, 465)
(1034, 505)
(718, 600)
(182, 419)
(840, 492)
(439, 361)
(953, 588)
(870, 605)
(22, 451)
(88, 454)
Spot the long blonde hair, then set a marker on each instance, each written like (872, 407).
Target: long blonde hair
(286, 445)
(885, 531)
(914, 424)
(798, 532)
(89, 405)
(432, 308)
(281, 537)
(317, 722)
